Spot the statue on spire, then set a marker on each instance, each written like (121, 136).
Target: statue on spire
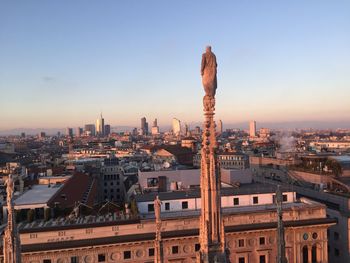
(211, 233)
(158, 244)
(11, 239)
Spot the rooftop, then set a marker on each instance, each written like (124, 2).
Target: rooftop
(243, 189)
(38, 194)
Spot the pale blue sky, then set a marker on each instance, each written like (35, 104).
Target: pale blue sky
(62, 62)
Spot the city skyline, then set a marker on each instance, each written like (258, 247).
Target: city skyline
(290, 64)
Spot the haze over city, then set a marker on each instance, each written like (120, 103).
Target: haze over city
(174, 131)
(64, 62)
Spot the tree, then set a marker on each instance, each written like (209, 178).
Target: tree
(334, 166)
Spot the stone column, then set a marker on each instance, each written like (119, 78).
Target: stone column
(309, 253)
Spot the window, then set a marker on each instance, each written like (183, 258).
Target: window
(262, 259)
(47, 261)
(255, 200)
(241, 260)
(74, 259)
(175, 249)
(236, 201)
(284, 198)
(197, 247)
(241, 243)
(101, 257)
(336, 236)
(127, 254)
(184, 205)
(151, 252)
(150, 207)
(262, 240)
(167, 206)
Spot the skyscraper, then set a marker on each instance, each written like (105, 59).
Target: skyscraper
(252, 128)
(79, 132)
(107, 130)
(144, 126)
(100, 126)
(176, 127)
(155, 128)
(69, 132)
(90, 129)
(220, 127)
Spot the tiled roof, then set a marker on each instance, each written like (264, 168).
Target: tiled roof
(79, 188)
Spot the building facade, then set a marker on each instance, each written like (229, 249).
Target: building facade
(250, 233)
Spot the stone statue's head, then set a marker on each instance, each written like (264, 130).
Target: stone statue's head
(208, 48)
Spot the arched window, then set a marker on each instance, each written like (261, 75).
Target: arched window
(305, 254)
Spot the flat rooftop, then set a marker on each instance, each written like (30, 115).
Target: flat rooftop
(243, 189)
(38, 194)
(114, 219)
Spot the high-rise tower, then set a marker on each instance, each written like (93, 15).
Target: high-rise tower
(252, 129)
(211, 233)
(100, 126)
(144, 126)
(176, 127)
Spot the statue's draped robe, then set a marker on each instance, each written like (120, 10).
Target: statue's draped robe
(208, 71)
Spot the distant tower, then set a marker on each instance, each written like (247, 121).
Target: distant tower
(252, 129)
(11, 240)
(176, 127)
(155, 128)
(281, 243)
(42, 135)
(80, 132)
(144, 126)
(220, 127)
(100, 126)
(107, 130)
(187, 130)
(69, 132)
(90, 129)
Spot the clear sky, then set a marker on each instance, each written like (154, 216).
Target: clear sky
(63, 62)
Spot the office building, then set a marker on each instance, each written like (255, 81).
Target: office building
(176, 127)
(90, 130)
(100, 126)
(107, 130)
(144, 126)
(252, 129)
